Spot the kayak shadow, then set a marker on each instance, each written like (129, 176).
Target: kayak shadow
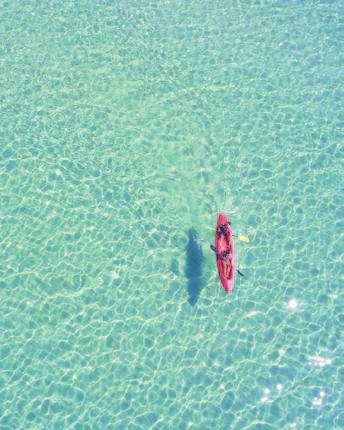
(194, 266)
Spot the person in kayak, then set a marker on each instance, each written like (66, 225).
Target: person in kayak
(227, 263)
(223, 255)
(223, 229)
(227, 266)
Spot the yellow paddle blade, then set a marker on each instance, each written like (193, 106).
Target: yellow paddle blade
(244, 238)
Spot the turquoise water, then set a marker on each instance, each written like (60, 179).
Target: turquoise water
(124, 128)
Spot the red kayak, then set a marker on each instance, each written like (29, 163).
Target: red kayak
(225, 256)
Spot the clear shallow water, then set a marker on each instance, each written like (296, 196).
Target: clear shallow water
(124, 129)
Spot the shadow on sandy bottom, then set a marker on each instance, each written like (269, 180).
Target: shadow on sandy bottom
(194, 266)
